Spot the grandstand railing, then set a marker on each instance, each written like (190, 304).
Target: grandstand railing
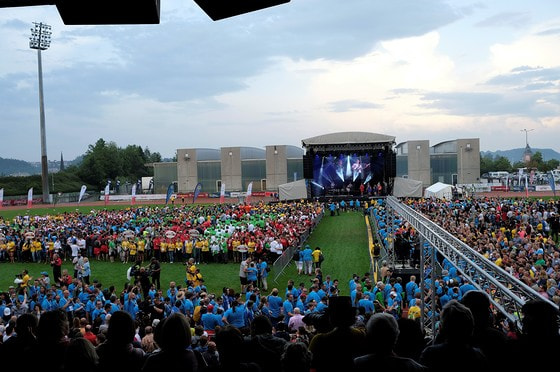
(507, 293)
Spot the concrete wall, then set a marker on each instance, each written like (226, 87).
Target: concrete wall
(276, 166)
(468, 160)
(231, 168)
(419, 161)
(187, 170)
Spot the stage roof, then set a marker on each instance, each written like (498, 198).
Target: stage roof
(344, 138)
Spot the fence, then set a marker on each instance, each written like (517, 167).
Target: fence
(282, 262)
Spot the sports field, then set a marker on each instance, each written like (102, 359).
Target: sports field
(343, 240)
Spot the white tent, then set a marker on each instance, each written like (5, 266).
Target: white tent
(439, 190)
(405, 187)
(292, 190)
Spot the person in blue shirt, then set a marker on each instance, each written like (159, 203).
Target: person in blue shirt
(411, 287)
(263, 265)
(313, 295)
(307, 255)
(466, 286)
(130, 306)
(288, 306)
(210, 320)
(252, 273)
(235, 315)
(275, 304)
(367, 304)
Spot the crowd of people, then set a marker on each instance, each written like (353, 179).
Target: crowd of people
(296, 328)
(218, 233)
(306, 326)
(520, 236)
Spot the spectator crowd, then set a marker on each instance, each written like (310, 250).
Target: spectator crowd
(69, 323)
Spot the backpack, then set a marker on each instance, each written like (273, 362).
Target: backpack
(321, 258)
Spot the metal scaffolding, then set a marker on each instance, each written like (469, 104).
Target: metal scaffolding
(507, 293)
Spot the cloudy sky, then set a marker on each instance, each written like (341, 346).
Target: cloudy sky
(414, 69)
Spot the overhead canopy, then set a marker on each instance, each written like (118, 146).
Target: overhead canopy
(439, 190)
(405, 187)
(292, 190)
(342, 138)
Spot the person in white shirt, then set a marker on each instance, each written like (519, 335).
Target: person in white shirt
(296, 320)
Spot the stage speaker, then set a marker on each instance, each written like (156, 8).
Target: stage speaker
(391, 164)
(308, 166)
(108, 12)
(220, 9)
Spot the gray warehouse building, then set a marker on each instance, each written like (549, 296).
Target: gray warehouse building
(452, 162)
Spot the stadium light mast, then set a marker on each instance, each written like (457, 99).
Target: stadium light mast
(526, 136)
(41, 40)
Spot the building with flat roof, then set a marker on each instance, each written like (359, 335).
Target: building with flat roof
(452, 162)
(235, 167)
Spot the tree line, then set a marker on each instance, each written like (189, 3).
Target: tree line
(491, 163)
(102, 161)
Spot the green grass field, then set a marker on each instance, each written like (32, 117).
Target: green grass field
(343, 240)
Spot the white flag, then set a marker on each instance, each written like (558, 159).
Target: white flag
(133, 200)
(82, 192)
(107, 191)
(29, 197)
(222, 193)
(1, 198)
(250, 189)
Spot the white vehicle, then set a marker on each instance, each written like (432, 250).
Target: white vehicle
(497, 175)
(556, 174)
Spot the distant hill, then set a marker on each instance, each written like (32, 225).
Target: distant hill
(515, 155)
(14, 167)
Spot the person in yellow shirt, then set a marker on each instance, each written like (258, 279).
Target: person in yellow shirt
(317, 257)
(3, 250)
(198, 250)
(132, 250)
(124, 251)
(141, 247)
(25, 278)
(236, 255)
(163, 250)
(178, 249)
(50, 249)
(188, 249)
(205, 250)
(191, 270)
(11, 248)
(26, 251)
(415, 312)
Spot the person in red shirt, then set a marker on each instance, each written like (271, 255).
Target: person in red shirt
(90, 336)
(56, 264)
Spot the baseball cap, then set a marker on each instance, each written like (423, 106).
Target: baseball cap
(7, 311)
(210, 308)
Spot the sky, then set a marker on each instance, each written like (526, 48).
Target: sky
(414, 69)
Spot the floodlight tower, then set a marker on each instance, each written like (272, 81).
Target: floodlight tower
(526, 136)
(41, 40)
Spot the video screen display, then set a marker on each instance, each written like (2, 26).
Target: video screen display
(342, 174)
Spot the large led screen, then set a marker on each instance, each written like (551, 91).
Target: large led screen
(342, 174)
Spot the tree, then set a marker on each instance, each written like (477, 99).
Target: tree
(550, 165)
(101, 162)
(501, 163)
(105, 161)
(490, 164)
